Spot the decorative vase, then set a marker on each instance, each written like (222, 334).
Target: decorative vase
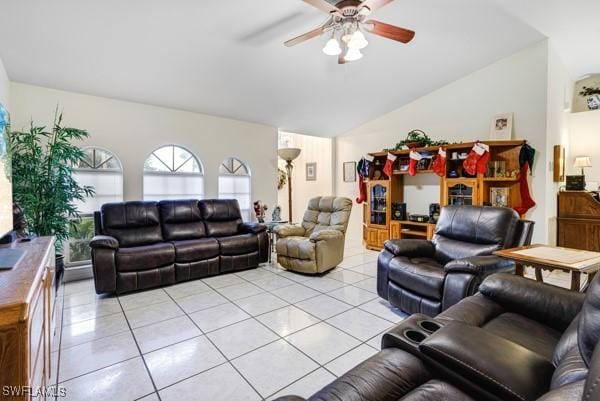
(593, 102)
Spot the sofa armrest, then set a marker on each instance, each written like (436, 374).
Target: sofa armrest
(410, 247)
(494, 364)
(289, 230)
(104, 241)
(480, 265)
(290, 398)
(553, 306)
(252, 228)
(324, 235)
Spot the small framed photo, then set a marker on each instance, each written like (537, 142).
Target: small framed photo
(501, 127)
(499, 197)
(349, 171)
(311, 171)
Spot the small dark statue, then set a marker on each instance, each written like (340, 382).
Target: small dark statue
(19, 222)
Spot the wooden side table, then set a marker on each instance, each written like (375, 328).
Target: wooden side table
(546, 257)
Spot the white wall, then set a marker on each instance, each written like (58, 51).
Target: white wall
(461, 111)
(560, 92)
(314, 150)
(4, 87)
(133, 130)
(584, 140)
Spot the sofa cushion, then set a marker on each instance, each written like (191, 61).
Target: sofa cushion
(238, 244)
(530, 334)
(296, 247)
(196, 249)
(181, 220)
(132, 223)
(436, 390)
(145, 257)
(423, 276)
(222, 217)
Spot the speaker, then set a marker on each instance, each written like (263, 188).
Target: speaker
(398, 211)
(575, 183)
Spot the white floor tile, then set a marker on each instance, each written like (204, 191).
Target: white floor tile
(80, 313)
(360, 324)
(322, 342)
(224, 280)
(352, 295)
(239, 291)
(368, 269)
(182, 360)
(93, 329)
(74, 287)
(201, 301)
(152, 314)
(255, 274)
(347, 361)
(222, 383)
(347, 276)
(241, 337)
(86, 298)
(165, 333)
(124, 381)
(375, 342)
(287, 320)
(143, 298)
(261, 303)
(273, 283)
(323, 306)
(186, 289)
(382, 308)
(219, 316)
(369, 284)
(323, 284)
(308, 385)
(93, 355)
(280, 365)
(295, 293)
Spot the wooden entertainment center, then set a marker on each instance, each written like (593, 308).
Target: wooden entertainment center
(383, 192)
(27, 321)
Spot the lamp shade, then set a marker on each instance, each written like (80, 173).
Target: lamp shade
(288, 154)
(583, 161)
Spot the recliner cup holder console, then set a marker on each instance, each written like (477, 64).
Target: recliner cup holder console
(411, 332)
(429, 326)
(415, 336)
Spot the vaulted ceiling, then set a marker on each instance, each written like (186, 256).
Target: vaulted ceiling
(226, 58)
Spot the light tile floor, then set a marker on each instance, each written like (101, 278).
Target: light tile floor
(252, 335)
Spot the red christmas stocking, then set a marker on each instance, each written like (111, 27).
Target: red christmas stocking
(362, 190)
(439, 163)
(470, 163)
(389, 163)
(482, 163)
(414, 159)
(527, 201)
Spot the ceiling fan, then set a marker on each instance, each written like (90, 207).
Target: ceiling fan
(348, 19)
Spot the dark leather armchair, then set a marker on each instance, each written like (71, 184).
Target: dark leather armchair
(420, 276)
(516, 340)
(148, 244)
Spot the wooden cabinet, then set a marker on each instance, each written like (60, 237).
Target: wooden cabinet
(578, 220)
(26, 318)
(460, 191)
(395, 230)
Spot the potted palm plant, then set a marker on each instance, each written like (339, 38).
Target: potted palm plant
(43, 183)
(593, 97)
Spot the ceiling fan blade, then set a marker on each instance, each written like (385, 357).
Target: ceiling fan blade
(389, 31)
(373, 5)
(304, 37)
(323, 6)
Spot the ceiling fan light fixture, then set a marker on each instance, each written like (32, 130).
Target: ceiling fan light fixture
(358, 41)
(353, 55)
(332, 47)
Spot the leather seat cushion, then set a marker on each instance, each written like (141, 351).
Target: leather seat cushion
(436, 390)
(296, 247)
(196, 249)
(238, 244)
(530, 334)
(423, 276)
(145, 257)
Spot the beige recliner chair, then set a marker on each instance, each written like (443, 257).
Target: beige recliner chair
(317, 245)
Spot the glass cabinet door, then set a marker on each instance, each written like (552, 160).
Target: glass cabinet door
(379, 206)
(460, 194)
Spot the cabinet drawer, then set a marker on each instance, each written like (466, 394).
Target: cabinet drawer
(36, 327)
(382, 236)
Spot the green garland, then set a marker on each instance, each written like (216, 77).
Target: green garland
(419, 138)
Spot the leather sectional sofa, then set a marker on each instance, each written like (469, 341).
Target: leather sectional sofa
(420, 276)
(515, 340)
(140, 245)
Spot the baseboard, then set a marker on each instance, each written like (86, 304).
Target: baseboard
(76, 273)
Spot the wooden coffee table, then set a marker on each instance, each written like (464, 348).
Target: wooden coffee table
(574, 261)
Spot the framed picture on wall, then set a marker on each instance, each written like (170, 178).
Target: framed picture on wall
(501, 127)
(311, 171)
(499, 196)
(349, 171)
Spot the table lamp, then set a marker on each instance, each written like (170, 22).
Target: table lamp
(289, 154)
(582, 162)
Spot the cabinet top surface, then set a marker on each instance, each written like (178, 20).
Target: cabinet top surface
(16, 283)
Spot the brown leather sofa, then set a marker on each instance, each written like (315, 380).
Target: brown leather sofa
(516, 340)
(140, 245)
(420, 276)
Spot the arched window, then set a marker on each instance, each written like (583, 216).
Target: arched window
(102, 170)
(172, 172)
(234, 183)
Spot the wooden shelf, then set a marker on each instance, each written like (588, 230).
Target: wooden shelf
(413, 223)
(501, 179)
(413, 232)
(465, 145)
(397, 172)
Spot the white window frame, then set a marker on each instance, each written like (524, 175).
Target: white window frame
(248, 175)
